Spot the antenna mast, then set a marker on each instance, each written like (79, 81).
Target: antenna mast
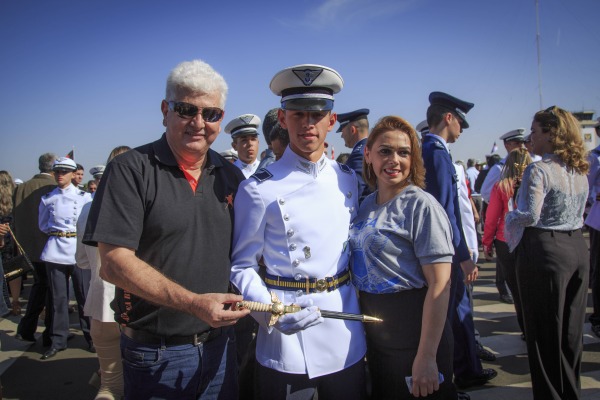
(537, 37)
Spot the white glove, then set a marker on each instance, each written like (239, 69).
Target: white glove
(310, 315)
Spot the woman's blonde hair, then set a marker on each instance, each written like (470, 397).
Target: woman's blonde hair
(565, 137)
(7, 187)
(393, 123)
(515, 164)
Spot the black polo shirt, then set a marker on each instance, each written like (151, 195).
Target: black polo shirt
(144, 202)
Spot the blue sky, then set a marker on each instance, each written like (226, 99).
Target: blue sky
(91, 74)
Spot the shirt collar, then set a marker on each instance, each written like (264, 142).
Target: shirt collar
(164, 155)
(303, 165)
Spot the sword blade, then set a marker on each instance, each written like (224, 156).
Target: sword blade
(349, 316)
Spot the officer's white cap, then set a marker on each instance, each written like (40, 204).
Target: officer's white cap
(64, 163)
(230, 154)
(517, 135)
(422, 126)
(97, 171)
(246, 124)
(307, 87)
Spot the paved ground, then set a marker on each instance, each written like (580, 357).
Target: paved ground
(66, 376)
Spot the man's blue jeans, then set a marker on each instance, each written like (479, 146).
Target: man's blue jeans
(205, 371)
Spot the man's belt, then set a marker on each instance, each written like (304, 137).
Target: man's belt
(149, 338)
(598, 197)
(63, 234)
(308, 285)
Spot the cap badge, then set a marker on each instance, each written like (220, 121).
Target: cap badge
(247, 118)
(307, 76)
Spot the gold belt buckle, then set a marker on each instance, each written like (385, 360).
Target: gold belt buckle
(321, 285)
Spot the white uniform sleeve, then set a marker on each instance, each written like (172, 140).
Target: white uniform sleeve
(248, 245)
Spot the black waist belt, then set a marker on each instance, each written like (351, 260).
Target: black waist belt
(308, 285)
(63, 234)
(150, 338)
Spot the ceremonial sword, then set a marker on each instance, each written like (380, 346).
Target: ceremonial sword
(277, 309)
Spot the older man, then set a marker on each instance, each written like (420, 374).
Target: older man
(168, 252)
(294, 215)
(26, 204)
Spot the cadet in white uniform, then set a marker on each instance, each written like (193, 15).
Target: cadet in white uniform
(58, 214)
(295, 215)
(512, 140)
(244, 133)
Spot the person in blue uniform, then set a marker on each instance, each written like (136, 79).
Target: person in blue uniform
(354, 127)
(295, 215)
(446, 120)
(58, 214)
(593, 223)
(244, 136)
(268, 123)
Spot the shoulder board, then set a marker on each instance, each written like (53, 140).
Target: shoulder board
(48, 194)
(345, 168)
(81, 193)
(439, 145)
(262, 175)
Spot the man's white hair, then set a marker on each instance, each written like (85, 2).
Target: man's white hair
(192, 77)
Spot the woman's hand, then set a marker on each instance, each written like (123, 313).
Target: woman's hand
(3, 232)
(489, 252)
(425, 376)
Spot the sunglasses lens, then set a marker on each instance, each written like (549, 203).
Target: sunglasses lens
(185, 109)
(211, 114)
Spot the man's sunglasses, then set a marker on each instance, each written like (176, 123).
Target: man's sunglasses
(187, 110)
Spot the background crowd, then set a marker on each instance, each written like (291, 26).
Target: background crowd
(169, 236)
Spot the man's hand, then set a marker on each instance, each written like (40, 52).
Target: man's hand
(210, 308)
(470, 271)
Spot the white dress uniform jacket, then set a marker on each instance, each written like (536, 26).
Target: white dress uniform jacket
(296, 214)
(247, 169)
(466, 213)
(101, 293)
(490, 180)
(58, 212)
